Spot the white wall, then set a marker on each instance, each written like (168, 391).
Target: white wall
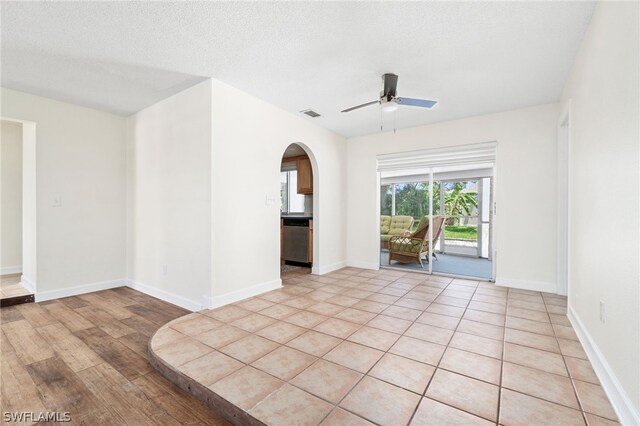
(604, 200)
(249, 139)
(11, 203)
(80, 157)
(525, 193)
(169, 197)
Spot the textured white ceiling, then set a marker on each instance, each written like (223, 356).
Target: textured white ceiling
(473, 57)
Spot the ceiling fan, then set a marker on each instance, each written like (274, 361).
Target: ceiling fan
(388, 99)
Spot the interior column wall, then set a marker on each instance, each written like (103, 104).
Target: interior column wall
(249, 139)
(604, 174)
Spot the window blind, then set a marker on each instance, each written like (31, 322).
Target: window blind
(438, 157)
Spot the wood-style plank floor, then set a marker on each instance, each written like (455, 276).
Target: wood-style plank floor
(87, 355)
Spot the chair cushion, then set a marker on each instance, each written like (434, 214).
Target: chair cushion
(406, 245)
(385, 221)
(399, 224)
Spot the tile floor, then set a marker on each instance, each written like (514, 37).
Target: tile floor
(391, 348)
(10, 286)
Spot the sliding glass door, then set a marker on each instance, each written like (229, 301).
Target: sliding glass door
(463, 244)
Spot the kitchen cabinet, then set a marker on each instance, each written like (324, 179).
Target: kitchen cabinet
(305, 176)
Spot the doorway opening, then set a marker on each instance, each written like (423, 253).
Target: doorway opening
(437, 212)
(298, 195)
(15, 287)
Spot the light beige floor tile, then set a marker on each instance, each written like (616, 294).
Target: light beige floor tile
(429, 333)
(488, 307)
(221, 336)
(438, 320)
(530, 326)
(253, 322)
(355, 315)
(402, 313)
(324, 308)
(580, 369)
(403, 372)
(543, 385)
(535, 358)
(196, 325)
(370, 306)
(452, 311)
(537, 306)
(387, 323)
(246, 387)
(182, 351)
(305, 319)
(279, 311)
(343, 300)
(354, 356)
(327, 380)
(464, 393)
(419, 305)
(314, 343)
(340, 417)
(532, 340)
(528, 314)
(227, 313)
(485, 317)
(473, 365)
(481, 329)
(337, 327)
(434, 413)
(564, 332)
(519, 409)
(477, 344)
(249, 348)
(374, 338)
(572, 348)
(594, 400)
(560, 319)
(418, 350)
(254, 304)
(381, 402)
(281, 332)
(599, 421)
(284, 363)
(210, 368)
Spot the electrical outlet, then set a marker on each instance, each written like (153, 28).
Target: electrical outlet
(270, 200)
(56, 202)
(602, 312)
(164, 270)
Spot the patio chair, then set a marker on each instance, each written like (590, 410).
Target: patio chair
(413, 247)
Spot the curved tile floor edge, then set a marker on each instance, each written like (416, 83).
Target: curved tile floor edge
(202, 393)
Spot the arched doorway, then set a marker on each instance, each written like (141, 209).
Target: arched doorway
(298, 210)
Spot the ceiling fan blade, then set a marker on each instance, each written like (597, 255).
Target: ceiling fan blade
(390, 84)
(360, 106)
(417, 102)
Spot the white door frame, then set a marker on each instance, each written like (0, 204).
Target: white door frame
(563, 285)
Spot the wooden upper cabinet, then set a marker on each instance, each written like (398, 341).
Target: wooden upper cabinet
(305, 176)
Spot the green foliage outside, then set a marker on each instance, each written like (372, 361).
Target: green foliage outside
(412, 199)
(461, 232)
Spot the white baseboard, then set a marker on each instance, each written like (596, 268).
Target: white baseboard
(527, 285)
(363, 265)
(27, 283)
(620, 400)
(321, 270)
(175, 299)
(8, 270)
(41, 296)
(235, 296)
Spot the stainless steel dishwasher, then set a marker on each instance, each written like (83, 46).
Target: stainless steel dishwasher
(295, 240)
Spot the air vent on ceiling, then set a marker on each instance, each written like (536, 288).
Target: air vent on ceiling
(311, 113)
